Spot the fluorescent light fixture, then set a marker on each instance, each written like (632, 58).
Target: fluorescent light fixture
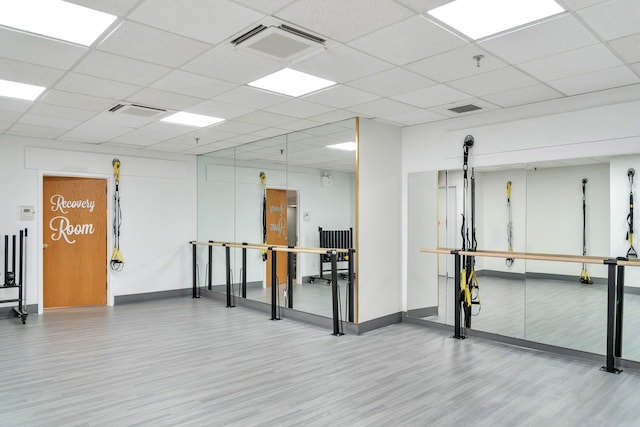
(55, 18)
(19, 90)
(346, 146)
(190, 119)
(291, 82)
(481, 18)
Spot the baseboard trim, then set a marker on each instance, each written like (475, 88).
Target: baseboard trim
(150, 296)
(422, 312)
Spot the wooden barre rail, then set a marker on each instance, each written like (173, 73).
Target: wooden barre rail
(526, 255)
(277, 248)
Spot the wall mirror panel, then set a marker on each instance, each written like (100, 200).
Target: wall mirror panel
(297, 184)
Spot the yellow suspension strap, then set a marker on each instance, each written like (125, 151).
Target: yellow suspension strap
(263, 182)
(584, 274)
(117, 260)
(509, 261)
(631, 253)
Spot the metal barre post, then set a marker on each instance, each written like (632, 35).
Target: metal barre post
(210, 269)
(227, 250)
(611, 309)
(334, 293)
(290, 274)
(457, 289)
(350, 287)
(274, 285)
(244, 272)
(20, 284)
(617, 349)
(194, 252)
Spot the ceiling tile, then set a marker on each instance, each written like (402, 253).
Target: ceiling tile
(54, 122)
(493, 82)
(340, 96)
(565, 64)
(613, 19)
(120, 68)
(344, 20)
(5, 125)
(192, 84)
(599, 80)
(341, 64)
(197, 19)
(162, 99)
(408, 41)
(522, 96)
(392, 82)
(636, 67)
(39, 50)
(114, 7)
(581, 4)
(422, 6)
(252, 98)
(46, 132)
(233, 126)
(445, 110)
(456, 64)
(23, 72)
(95, 130)
(432, 96)
(153, 133)
(332, 116)
(94, 86)
(381, 107)
(415, 117)
(9, 116)
(628, 48)
(299, 108)
(224, 62)
(60, 112)
(298, 125)
(76, 100)
(265, 118)
(15, 105)
(151, 45)
(265, 6)
(220, 109)
(546, 38)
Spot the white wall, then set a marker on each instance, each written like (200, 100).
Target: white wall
(158, 199)
(380, 218)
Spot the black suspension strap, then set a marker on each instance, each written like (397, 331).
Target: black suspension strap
(584, 274)
(468, 282)
(631, 253)
(117, 260)
(509, 261)
(263, 182)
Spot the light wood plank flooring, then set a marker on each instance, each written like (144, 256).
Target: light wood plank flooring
(193, 362)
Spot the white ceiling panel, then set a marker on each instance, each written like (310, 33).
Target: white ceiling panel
(76, 100)
(95, 131)
(235, 127)
(23, 72)
(220, 109)
(252, 98)
(54, 122)
(341, 96)
(392, 82)
(265, 6)
(114, 7)
(163, 99)
(414, 117)
(299, 108)
(381, 107)
(456, 64)
(192, 84)
(432, 96)
(196, 19)
(15, 105)
(60, 112)
(341, 64)
(493, 82)
(5, 125)
(547, 38)
(120, 68)
(265, 118)
(422, 6)
(344, 20)
(445, 109)
(624, 13)
(148, 44)
(23, 129)
(521, 96)
(95, 86)
(581, 4)
(599, 80)
(627, 47)
(408, 41)
(224, 62)
(9, 116)
(39, 50)
(332, 116)
(299, 125)
(579, 61)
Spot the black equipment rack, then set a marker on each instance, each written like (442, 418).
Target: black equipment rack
(16, 279)
(334, 239)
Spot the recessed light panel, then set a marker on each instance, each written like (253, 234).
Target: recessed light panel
(55, 18)
(346, 146)
(481, 18)
(291, 82)
(17, 90)
(190, 119)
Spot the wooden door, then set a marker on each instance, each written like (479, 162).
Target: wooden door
(75, 241)
(277, 232)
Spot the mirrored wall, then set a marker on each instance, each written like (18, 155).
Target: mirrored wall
(299, 179)
(577, 207)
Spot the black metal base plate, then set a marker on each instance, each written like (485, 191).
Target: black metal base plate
(615, 370)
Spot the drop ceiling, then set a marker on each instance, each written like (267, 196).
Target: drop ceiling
(391, 64)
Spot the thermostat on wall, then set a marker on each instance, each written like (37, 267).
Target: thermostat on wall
(27, 212)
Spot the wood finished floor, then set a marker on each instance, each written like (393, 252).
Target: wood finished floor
(196, 363)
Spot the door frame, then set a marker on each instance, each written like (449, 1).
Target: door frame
(40, 234)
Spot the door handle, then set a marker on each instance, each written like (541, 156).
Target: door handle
(45, 246)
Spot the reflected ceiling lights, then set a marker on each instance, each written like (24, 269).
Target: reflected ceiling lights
(291, 82)
(346, 146)
(481, 18)
(190, 119)
(55, 18)
(17, 90)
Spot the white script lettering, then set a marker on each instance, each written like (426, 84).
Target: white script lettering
(59, 204)
(63, 229)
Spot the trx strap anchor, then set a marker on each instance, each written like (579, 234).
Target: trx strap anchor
(584, 274)
(263, 182)
(117, 260)
(631, 253)
(509, 261)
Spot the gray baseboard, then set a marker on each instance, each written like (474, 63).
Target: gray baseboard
(8, 313)
(422, 312)
(632, 290)
(547, 276)
(149, 296)
(501, 274)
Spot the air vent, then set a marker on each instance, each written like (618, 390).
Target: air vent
(136, 110)
(465, 108)
(283, 42)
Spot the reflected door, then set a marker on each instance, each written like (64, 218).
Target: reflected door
(277, 231)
